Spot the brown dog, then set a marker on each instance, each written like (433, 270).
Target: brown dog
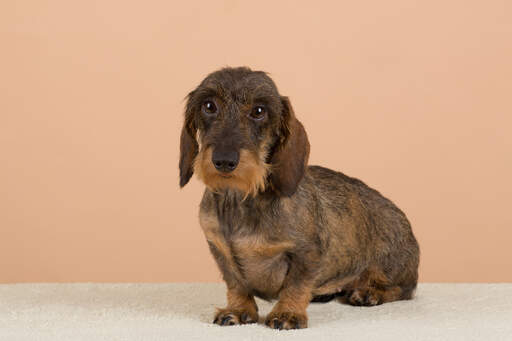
(278, 228)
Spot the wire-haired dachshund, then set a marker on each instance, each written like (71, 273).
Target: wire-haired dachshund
(278, 228)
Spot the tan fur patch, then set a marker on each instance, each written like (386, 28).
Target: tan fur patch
(237, 300)
(290, 311)
(258, 246)
(249, 176)
(294, 299)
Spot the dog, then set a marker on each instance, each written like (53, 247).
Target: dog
(278, 228)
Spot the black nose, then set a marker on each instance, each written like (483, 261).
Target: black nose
(225, 160)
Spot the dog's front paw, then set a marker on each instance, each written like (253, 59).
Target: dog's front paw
(231, 317)
(286, 320)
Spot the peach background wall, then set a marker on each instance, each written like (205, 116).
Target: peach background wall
(413, 97)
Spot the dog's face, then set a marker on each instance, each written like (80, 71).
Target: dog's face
(240, 133)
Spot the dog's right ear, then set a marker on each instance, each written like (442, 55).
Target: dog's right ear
(188, 144)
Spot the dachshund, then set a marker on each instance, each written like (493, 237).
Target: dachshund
(277, 227)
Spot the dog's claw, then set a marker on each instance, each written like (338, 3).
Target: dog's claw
(225, 320)
(278, 324)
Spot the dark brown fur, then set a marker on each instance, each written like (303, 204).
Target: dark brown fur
(280, 229)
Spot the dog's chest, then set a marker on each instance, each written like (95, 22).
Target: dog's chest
(262, 263)
(255, 261)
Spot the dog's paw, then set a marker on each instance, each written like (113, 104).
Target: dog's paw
(286, 320)
(366, 298)
(231, 317)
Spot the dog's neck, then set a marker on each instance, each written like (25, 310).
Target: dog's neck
(239, 198)
(237, 212)
(230, 200)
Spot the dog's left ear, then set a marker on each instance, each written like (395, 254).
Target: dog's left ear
(291, 155)
(188, 145)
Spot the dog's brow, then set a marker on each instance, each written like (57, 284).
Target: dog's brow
(207, 92)
(263, 99)
(262, 91)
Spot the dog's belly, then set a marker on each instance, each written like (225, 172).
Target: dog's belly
(263, 266)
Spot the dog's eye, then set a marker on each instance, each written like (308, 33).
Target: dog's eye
(258, 113)
(209, 108)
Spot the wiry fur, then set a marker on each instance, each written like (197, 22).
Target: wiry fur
(249, 177)
(280, 229)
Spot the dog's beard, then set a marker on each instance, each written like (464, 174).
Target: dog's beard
(249, 177)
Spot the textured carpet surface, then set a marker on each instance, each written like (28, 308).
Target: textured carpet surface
(87, 311)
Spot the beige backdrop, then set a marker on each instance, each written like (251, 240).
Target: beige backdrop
(415, 98)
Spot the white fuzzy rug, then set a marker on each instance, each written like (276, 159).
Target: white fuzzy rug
(93, 312)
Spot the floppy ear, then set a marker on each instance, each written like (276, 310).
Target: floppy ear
(188, 146)
(291, 155)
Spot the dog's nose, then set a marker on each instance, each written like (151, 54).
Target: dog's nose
(225, 161)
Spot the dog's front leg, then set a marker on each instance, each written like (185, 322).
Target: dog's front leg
(290, 311)
(294, 297)
(241, 309)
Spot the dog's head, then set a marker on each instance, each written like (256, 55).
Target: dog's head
(240, 133)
